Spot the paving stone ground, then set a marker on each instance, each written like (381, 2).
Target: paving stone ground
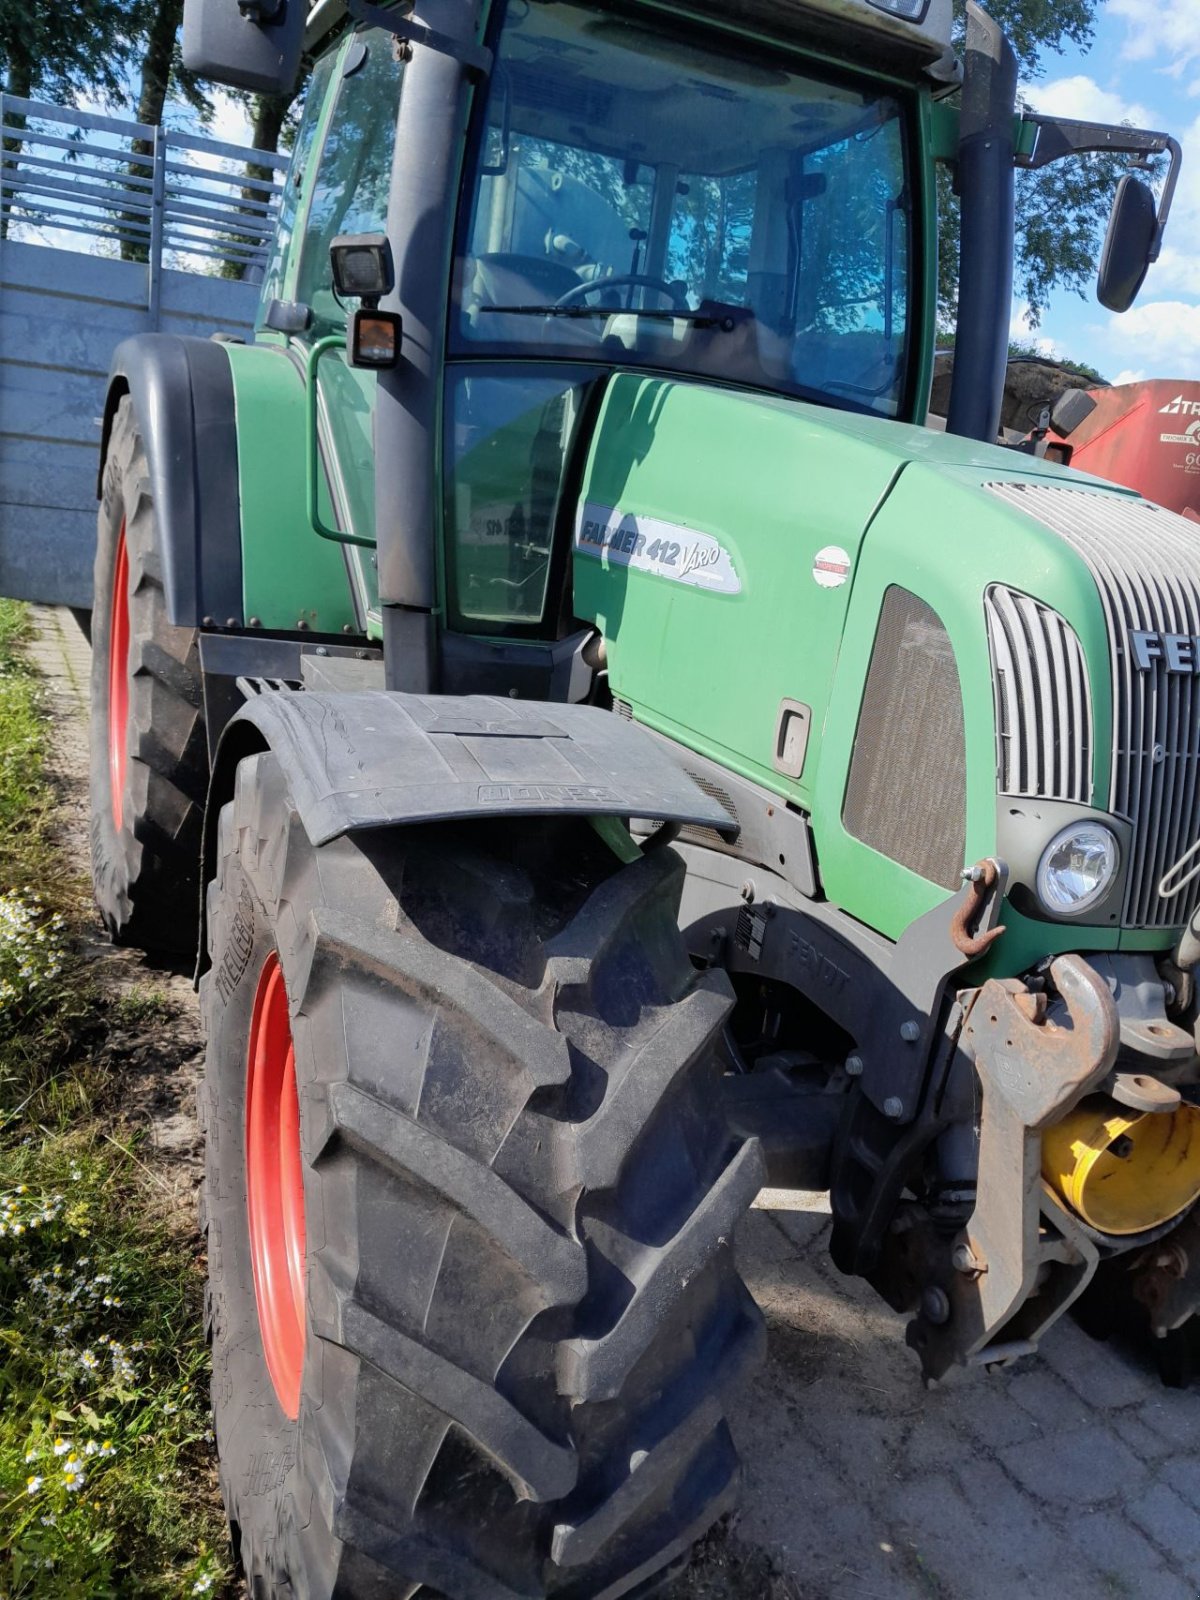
(1072, 1476)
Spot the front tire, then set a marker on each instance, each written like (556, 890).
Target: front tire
(149, 755)
(518, 1308)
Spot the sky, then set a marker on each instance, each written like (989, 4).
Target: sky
(1143, 67)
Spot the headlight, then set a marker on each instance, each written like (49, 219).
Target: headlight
(1077, 868)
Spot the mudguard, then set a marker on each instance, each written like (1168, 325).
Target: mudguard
(367, 758)
(182, 393)
(373, 758)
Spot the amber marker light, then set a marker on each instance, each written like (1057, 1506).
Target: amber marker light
(373, 339)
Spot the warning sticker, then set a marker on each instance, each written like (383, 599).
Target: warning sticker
(831, 566)
(666, 549)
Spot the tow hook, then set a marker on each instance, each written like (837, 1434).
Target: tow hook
(1019, 1239)
(969, 940)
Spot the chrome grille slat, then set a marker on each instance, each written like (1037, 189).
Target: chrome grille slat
(1189, 748)
(1063, 748)
(1010, 753)
(1043, 700)
(1047, 729)
(1145, 562)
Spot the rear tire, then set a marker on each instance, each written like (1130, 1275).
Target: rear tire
(149, 756)
(518, 1309)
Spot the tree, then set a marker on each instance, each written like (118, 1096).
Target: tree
(55, 52)
(58, 51)
(1062, 209)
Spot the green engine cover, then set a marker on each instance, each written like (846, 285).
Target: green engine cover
(736, 551)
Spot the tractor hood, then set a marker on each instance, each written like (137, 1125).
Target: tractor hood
(720, 535)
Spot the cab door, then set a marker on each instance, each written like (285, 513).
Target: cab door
(348, 193)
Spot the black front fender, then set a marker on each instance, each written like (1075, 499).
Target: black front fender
(374, 758)
(182, 395)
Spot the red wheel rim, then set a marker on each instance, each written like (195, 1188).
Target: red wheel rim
(118, 679)
(275, 1186)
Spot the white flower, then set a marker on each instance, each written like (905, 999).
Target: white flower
(61, 1446)
(33, 1484)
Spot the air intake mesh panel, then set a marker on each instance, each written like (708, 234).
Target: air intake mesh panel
(1043, 700)
(1146, 565)
(906, 794)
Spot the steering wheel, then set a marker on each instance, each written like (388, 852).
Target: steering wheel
(632, 280)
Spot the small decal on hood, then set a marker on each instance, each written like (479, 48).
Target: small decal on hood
(831, 566)
(666, 549)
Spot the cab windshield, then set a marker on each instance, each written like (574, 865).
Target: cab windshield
(639, 198)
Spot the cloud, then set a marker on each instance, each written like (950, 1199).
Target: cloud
(1129, 375)
(1082, 98)
(1177, 270)
(1163, 32)
(1165, 333)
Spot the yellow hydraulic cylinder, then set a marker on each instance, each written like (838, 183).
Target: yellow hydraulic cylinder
(1121, 1170)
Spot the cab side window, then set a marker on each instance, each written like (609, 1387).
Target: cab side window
(314, 101)
(351, 190)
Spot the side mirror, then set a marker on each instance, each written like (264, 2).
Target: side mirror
(1129, 244)
(249, 44)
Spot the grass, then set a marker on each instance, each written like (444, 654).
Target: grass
(106, 1473)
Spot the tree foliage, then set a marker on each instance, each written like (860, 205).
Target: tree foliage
(57, 52)
(1062, 209)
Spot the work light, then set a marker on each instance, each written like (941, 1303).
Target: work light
(362, 270)
(362, 266)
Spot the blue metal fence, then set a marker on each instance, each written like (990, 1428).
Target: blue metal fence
(107, 228)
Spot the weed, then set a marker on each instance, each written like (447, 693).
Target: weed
(106, 1470)
(140, 1009)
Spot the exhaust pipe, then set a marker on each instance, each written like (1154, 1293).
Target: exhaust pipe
(985, 188)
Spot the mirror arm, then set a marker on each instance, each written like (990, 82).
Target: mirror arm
(1058, 137)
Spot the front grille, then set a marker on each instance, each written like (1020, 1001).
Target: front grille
(1146, 565)
(1043, 700)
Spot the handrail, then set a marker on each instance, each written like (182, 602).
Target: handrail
(313, 463)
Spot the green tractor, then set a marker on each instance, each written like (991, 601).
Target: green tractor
(609, 755)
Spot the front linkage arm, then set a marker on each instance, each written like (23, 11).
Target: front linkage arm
(1021, 1259)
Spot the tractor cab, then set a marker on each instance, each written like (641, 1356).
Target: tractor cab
(639, 200)
(633, 195)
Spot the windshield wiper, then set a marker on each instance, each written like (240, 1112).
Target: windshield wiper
(724, 321)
